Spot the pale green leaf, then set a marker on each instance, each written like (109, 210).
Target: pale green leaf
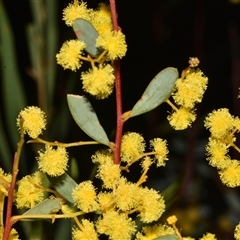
(64, 185)
(48, 206)
(86, 118)
(158, 90)
(85, 32)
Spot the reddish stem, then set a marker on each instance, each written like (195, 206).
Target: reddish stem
(8, 222)
(118, 91)
(119, 113)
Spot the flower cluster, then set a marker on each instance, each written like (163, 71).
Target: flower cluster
(120, 198)
(110, 45)
(222, 126)
(188, 91)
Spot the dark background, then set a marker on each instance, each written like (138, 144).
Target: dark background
(159, 34)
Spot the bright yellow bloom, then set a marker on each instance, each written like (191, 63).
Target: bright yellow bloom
(230, 175)
(84, 196)
(114, 43)
(127, 195)
(172, 220)
(104, 199)
(66, 209)
(110, 174)
(70, 53)
(209, 236)
(5, 180)
(190, 90)
(116, 226)
(74, 11)
(132, 147)
(237, 232)
(13, 235)
(29, 191)
(87, 231)
(217, 151)
(146, 163)
(154, 232)
(101, 19)
(99, 82)
(151, 205)
(34, 121)
(53, 161)
(102, 157)
(220, 122)
(160, 147)
(182, 118)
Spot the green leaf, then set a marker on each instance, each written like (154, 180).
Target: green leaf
(158, 90)
(11, 89)
(167, 237)
(85, 32)
(48, 206)
(64, 185)
(86, 118)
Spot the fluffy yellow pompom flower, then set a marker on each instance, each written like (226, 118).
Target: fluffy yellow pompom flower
(13, 235)
(87, 231)
(132, 147)
(146, 163)
(116, 225)
(160, 147)
(99, 81)
(237, 232)
(104, 199)
(182, 118)
(102, 157)
(74, 11)
(29, 191)
(127, 195)
(190, 89)
(84, 196)
(101, 19)
(5, 180)
(53, 161)
(110, 174)
(151, 206)
(70, 53)
(220, 122)
(217, 152)
(208, 236)
(230, 175)
(154, 232)
(34, 121)
(114, 43)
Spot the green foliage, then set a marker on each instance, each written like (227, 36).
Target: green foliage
(158, 90)
(64, 185)
(86, 118)
(85, 32)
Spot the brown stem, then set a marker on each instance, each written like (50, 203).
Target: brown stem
(118, 91)
(119, 113)
(8, 221)
(114, 14)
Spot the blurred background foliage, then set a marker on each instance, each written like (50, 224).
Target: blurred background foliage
(159, 34)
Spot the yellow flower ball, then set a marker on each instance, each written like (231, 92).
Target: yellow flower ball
(33, 121)
(53, 161)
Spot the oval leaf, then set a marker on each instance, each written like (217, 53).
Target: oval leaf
(48, 206)
(85, 32)
(167, 237)
(64, 185)
(158, 90)
(86, 118)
